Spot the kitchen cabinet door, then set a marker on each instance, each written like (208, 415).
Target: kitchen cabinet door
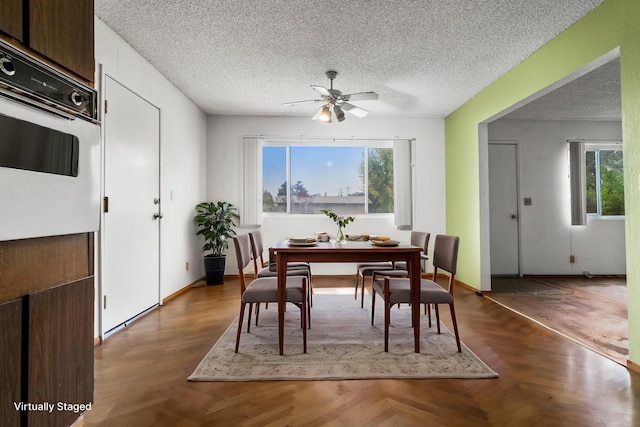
(10, 366)
(63, 31)
(60, 354)
(11, 18)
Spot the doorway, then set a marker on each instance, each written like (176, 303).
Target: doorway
(503, 205)
(130, 232)
(569, 271)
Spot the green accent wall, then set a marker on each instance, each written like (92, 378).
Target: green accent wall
(614, 24)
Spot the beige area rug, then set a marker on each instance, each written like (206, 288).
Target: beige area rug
(341, 344)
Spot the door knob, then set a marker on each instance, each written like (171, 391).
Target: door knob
(157, 215)
(514, 216)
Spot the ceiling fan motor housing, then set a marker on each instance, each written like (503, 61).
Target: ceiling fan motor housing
(331, 74)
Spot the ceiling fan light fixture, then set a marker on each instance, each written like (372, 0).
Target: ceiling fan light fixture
(325, 114)
(333, 101)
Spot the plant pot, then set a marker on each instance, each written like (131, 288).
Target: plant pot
(214, 269)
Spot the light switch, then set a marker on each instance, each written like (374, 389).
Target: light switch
(527, 201)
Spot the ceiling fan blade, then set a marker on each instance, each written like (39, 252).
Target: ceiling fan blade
(301, 102)
(360, 96)
(352, 109)
(321, 90)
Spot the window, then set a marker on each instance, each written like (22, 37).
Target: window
(348, 179)
(604, 180)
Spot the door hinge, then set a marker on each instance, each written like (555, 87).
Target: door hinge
(106, 106)
(104, 302)
(105, 204)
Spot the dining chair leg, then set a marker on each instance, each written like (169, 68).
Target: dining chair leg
(355, 297)
(257, 312)
(387, 320)
(427, 309)
(249, 319)
(437, 316)
(455, 326)
(303, 312)
(373, 304)
(362, 294)
(239, 325)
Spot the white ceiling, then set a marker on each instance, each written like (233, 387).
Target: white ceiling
(424, 58)
(594, 96)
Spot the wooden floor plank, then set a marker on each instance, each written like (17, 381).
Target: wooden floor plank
(545, 379)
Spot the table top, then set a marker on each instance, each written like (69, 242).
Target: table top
(349, 246)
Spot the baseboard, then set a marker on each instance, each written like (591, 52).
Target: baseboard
(633, 366)
(468, 287)
(182, 290)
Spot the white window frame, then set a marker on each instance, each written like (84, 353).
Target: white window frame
(596, 147)
(252, 214)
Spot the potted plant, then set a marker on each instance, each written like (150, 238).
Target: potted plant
(341, 222)
(215, 221)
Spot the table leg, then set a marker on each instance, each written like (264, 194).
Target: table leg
(416, 276)
(281, 263)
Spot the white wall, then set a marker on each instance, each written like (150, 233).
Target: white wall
(548, 239)
(182, 153)
(224, 172)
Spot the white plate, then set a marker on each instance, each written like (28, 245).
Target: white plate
(385, 242)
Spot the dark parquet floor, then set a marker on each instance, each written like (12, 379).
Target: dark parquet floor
(545, 379)
(590, 310)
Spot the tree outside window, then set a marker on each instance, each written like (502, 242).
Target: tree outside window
(605, 182)
(345, 179)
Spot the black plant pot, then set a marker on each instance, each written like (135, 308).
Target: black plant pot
(214, 269)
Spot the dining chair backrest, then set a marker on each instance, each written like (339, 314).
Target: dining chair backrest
(242, 244)
(243, 250)
(421, 239)
(257, 248)
(445, 256)
(256, 243)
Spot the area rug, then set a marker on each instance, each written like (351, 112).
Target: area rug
(341, 344)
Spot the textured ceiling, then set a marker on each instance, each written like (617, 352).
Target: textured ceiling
(424, 58)
(594, 96)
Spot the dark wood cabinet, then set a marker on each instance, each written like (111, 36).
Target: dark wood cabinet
(46, 328)
(63, 30)
(60, 32)
(60, 352)
(11, 18)
(10, 361)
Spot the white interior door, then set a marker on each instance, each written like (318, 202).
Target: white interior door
(131, 231)
(503, 205)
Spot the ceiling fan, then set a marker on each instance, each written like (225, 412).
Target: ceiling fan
(335, 103)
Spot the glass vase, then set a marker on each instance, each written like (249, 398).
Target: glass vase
(340, 238)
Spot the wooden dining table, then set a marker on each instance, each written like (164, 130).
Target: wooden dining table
(353, 252)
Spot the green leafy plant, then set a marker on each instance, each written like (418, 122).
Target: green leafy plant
(341, 221)
(215, 221)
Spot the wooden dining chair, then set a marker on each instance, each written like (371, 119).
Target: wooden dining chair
(265, 290)
(398, 290)
(418, 238)
(366, 269)
(269, 269)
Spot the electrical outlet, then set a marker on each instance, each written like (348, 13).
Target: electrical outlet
(572, 259)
